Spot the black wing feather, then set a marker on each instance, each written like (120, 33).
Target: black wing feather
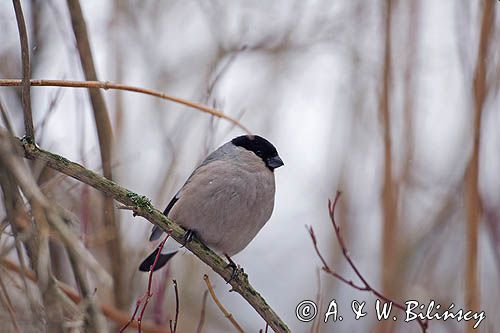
(157, 232)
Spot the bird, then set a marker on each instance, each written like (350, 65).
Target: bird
(225, 202)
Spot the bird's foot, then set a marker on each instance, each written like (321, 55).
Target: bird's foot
(188, 236)
(236, 268)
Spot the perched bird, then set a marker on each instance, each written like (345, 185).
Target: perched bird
(225, 201)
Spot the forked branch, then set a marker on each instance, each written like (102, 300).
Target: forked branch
(364, 285)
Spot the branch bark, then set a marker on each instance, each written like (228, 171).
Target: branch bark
(25, 58)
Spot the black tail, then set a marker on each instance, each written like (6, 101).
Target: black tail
(149, 261)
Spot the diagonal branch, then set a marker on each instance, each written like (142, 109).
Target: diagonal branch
(25, 56)
(143, 208)
(118, 86)
(221, 307)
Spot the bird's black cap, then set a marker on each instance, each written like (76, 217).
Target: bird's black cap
(261, 147)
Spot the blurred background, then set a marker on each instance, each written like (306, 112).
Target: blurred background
(395, 103)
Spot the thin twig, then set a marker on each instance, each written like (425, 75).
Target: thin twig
(132, 318)
(226, 313)
(201, 322)
(173, 328)
(327, 269)
(145, 298)
(472, 196)
(365, 285)
(25, 82)
(390, 187)
(117, 86)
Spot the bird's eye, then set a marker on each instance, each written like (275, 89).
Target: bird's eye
(258, 152)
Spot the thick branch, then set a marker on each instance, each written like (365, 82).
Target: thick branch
(144, 208)
(25, 56)
(105, 136)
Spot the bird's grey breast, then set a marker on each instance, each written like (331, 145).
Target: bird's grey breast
(227, 200)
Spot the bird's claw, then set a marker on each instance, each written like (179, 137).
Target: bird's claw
(237, 269)
(188, 237)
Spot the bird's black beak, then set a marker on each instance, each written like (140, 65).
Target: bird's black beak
(274, 162)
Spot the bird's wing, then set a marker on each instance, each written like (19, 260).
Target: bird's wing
(156, 232)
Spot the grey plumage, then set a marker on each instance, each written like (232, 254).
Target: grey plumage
(227, 199)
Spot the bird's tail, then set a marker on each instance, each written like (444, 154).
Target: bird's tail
(168, 251)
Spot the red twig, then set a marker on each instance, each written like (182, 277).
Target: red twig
(145, 298)
(365, 286)
(173, 328)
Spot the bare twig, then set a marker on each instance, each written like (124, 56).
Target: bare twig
(221, 307)
(132, 318)
(117, 86)
(146, 297)
(202, 313)
(149, 292)
(25, 55)
(173, 327)
(240, 283)
(472, 197)
(389, 187)
(364, 286)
